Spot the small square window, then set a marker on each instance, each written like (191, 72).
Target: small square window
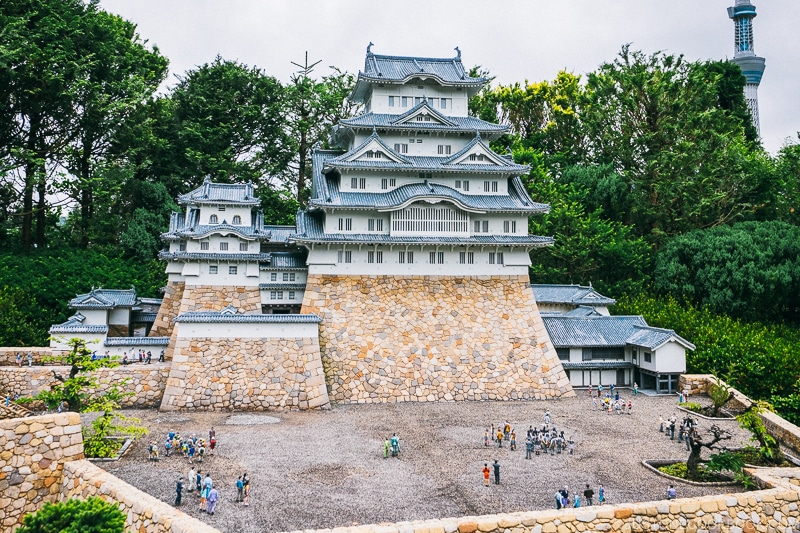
(233, 270)
(384, 183)
(392, 182)
(280, 295)
(223, 246)
(243, 246)
(285, 276)
(213, 269)
(273, 276)
(291, 295)
(182, 247)
(204, 245)
(292, 276)
(648, 357)
(466, 185)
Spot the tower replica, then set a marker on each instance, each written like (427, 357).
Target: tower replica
(418, 247)
(745, 56)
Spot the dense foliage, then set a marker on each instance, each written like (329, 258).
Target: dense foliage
(92, 515)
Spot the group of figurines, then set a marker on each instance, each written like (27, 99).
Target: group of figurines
(391, 446)
(685, 429)
(611, 401)
(537, 441)
(192, 448)
(564, 499)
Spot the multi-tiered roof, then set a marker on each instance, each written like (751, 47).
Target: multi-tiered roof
(373, 146)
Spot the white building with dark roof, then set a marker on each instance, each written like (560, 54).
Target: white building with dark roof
(596, 348)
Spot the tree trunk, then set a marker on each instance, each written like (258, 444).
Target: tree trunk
(693, 462)
(41, 206)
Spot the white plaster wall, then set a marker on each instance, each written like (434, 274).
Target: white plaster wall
(94, 317)
(94, 341)
(300, 276)
(214, 241)
(670, 358)
(379, 100)
(227, 215)
(247, 273)
(119, 316)
(374, 183)
(325, 261)
(287, 299)
(247, 331)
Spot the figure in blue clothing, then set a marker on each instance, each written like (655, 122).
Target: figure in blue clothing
(395, 445)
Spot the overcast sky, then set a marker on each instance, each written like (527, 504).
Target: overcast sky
(516, 40)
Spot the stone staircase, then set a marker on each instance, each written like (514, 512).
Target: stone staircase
(13, 410)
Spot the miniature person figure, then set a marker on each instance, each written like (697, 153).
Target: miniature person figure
(557, 496)
(246, 481)
(198, 481)
(513, 443)
(192, 475)
(576, 500)
(486, 438)
(588, 494)
(672, 493)
(496, 467)
(30, 359)
(239, 490)
(212, 444)
(486, 474)
(528, 448)
(386, 446)
(493, 432)
(395, 445)
(19, 359)
(213, 496)
(499, 438)
(178, 491)
(635, 389)
(601, 495)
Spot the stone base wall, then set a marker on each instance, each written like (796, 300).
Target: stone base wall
(774, 510)
(118, 330)
(246, 374)
(170, 308)
(8, 356)
(146, 514)
(146, 382)
(433, 338)
(32, 456)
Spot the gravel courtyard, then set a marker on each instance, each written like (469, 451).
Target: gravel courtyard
(325, 469)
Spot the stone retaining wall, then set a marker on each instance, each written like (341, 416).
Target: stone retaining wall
(169, 309)
(246, 374)
(32, 456)
(145, 513)
(429, 338)
(774, 510)
(8, 356)
(783, 430)
(147, 382)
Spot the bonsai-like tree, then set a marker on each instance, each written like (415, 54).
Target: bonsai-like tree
(92, 515)
(768, 446)
(720, 393)
(697, 442)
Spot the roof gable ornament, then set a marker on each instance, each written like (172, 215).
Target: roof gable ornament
(476, 153)
(229, 310)
(423, 109)
(458, 53)
(369, 48)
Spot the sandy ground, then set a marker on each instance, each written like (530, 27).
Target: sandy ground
(326, 468)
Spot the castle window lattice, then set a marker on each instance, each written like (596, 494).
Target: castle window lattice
(419, 219)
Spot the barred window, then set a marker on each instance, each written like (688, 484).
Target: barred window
(424, 219)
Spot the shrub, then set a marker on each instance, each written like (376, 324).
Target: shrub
(92, 515)
(693, 407)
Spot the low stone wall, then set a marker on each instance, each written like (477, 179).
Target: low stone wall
(33, 452)
(145, 513)
(433, 338)
(247, 374)
(767, 511)
(8, 356)
(783, 430)
(147, 382)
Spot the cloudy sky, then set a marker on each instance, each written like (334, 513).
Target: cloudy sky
(515, 39)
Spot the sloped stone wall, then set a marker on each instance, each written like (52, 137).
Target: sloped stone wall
(8, 356)
(145, 513)
(170, 308)
(433, 338)
(32, 456)
(247, 374)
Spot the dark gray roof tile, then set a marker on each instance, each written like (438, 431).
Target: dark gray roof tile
(136, 341)
(104, 299)
(570, 295)
(190, 256)
(220, 193)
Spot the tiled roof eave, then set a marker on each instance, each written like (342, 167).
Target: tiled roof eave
(79, 329)
(218, 318)
(423, 126)
(192, 256)
(325, 206)
(136, 341)
(510, 170)
(454, 241)
(471, 82)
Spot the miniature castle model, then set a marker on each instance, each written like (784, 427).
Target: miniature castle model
(407, 273)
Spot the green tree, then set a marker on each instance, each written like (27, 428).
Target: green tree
(660, 123)
(75, 387)
(313, 107)
(92, 515)
(229, 124)
(121, 74)
(749, 270)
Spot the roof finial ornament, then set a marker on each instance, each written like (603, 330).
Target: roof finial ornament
(317, 146)
(477, 135)
(458, 53)
(369, 48)
(207, 179)
(374, 131)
